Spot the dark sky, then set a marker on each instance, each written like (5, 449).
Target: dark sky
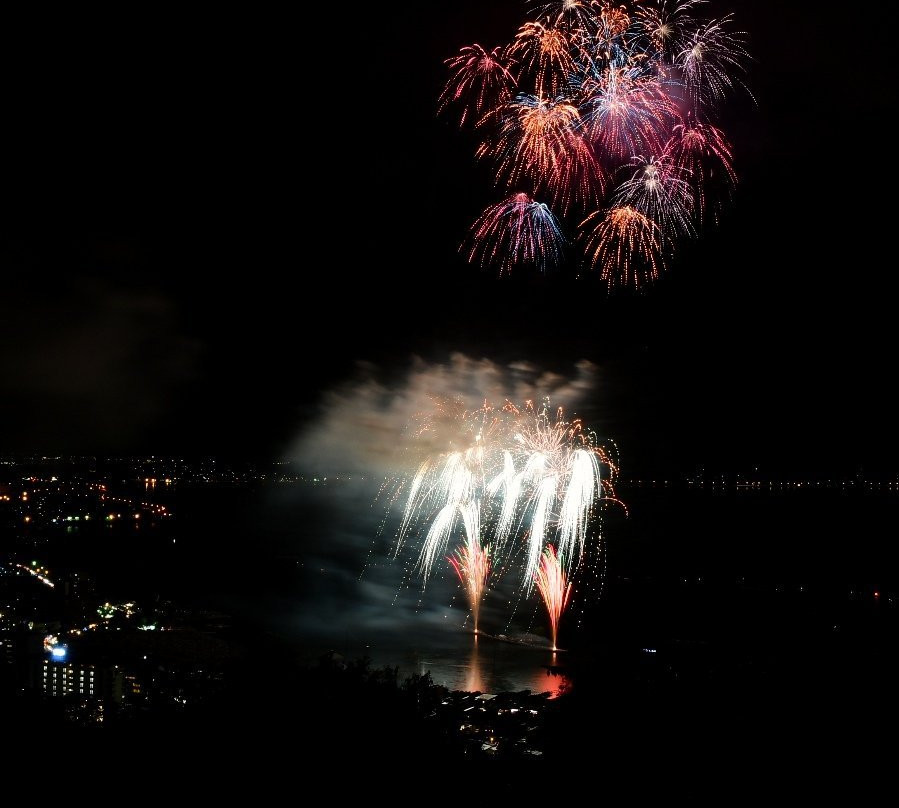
(208, 219)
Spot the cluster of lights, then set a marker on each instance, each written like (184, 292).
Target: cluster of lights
(38, 572)
(108, 610)
(153, 508)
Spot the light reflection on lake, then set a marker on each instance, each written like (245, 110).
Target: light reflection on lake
(479, 664)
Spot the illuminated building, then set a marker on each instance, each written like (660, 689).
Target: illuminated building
(7, 637)
(132, 687)
(9, 623)
(61, 679)
(68, 679)
(78, 585)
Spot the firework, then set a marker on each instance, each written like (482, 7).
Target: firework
(625, 246)
(627, 112)
(537, 480)
(588, 90)
(703, 156)
(665, 23)
(576, 180)
(658, 190)
(554, 588)
(449, 487)
(544, 51)
(541, 143)
(533, 134)
(471, 563)
(447, 483)
(518, 231)
(480, 80)
(558, 486)
(569, 15)
(708, 57)
(612, 22)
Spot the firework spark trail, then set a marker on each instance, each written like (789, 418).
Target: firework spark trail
(703, 155)
(560, 464)
(445, 486)
(576, 180)
(455, 487)
(582, 491)
(437, 538)
(509, 483)
(596, 86)
(411, 504)
(554, 588)
(471, 562)
(543, 500)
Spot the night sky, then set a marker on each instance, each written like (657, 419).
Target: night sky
(209, 220)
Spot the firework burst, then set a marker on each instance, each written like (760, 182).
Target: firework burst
(625, 246)
(479, 81)
(659, 190)
(542, 143)
(665, 23)
(709, 57)
(544, 51)
(599, 88)
(626, 113)
(533, 135)
(516, 232)
(573, 16)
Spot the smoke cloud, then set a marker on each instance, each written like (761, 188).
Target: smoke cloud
(353, 581)
(363, 422)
